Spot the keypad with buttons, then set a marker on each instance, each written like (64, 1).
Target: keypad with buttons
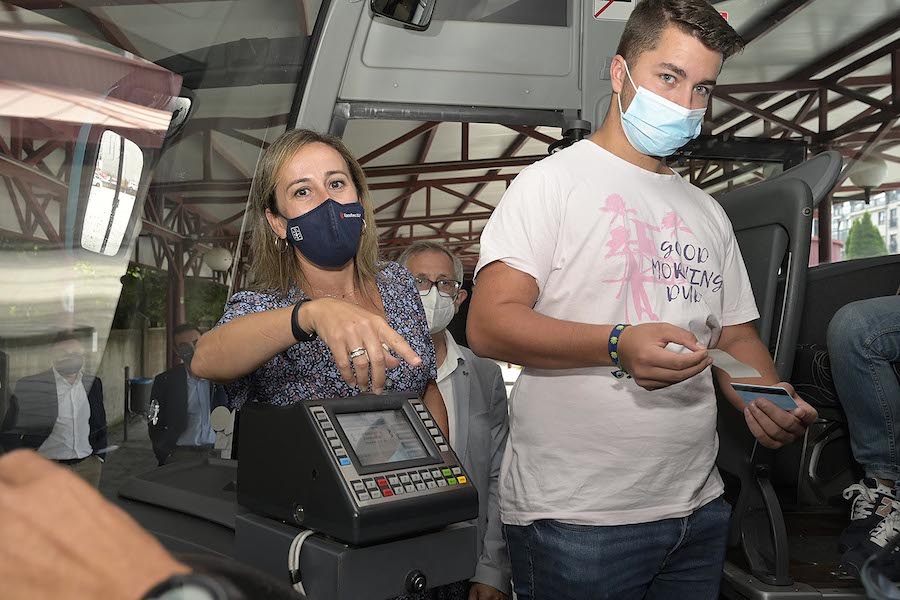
(382, 487)
(408, 482)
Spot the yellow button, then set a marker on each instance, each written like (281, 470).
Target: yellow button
(461, 479)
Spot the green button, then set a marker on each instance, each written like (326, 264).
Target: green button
(452, 480)
(447, 472)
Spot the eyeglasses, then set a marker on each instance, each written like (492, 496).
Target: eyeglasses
(448, 288)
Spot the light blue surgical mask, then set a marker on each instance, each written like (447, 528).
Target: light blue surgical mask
(656, 126)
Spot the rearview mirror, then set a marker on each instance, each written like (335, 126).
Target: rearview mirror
(415, 14)
(111, 202)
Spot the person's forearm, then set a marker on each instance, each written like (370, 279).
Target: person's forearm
(241, 346)
(518, 334)
(748, 349)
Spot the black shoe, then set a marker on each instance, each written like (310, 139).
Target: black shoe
(871, 502)
(883, 538)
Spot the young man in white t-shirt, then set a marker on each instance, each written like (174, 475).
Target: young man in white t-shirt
(609, 487)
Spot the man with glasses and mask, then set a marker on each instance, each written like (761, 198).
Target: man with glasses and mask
(180, 405)
(475, 396)
(60, 412)
(607, 276)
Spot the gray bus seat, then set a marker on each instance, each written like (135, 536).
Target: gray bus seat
(773, 225)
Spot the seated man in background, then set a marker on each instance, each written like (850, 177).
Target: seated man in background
(60, 411)
(864, 341)
(475, 396)
(180, 405)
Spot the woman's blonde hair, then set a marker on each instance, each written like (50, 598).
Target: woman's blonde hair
(274, 269)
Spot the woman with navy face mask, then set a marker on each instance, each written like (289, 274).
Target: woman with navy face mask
(324, 317)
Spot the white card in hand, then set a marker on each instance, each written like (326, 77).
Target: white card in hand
(735, 368)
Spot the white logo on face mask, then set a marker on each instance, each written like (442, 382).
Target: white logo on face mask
(439, 310)
(295, 231)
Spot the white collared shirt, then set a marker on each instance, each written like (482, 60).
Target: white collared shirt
(70, 436)
(445, 384)
(198, 432)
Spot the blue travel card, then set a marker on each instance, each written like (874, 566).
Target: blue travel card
(776, 395)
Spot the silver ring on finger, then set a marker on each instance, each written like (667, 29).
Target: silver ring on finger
(357, 352)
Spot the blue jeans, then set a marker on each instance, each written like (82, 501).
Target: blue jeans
(863, 341)
(673, 558)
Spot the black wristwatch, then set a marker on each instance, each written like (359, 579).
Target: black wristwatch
(193, 586)
(299, 334)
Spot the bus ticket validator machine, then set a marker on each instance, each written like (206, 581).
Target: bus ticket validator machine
(373, 477)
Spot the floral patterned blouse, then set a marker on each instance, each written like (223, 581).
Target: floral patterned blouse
(307, 370)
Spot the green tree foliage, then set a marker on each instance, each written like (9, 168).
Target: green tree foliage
(864, 239)
(143, 300)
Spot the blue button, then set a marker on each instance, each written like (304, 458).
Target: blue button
(345, 462)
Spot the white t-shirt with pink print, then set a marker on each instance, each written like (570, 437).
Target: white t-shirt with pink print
(609, 242)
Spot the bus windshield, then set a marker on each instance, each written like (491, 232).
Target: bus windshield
(129, 133)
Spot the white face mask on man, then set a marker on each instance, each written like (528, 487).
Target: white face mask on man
(439, 310)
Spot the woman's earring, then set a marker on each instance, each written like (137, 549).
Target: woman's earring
(364, 225)
(283, 247)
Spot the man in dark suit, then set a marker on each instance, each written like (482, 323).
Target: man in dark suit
(60, 412)
(475, 396)
(180, 406)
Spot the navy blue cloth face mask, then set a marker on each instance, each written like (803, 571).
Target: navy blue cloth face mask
(328, 235)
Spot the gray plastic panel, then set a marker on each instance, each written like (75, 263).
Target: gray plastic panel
(326, 69)
(331, 570)
(203, 488)
(466, 63)
(599, 43)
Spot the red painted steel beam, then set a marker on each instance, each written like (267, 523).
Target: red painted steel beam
(37, 210)
(25, 173)
(184, 187)
(391, 242)
(466, 198)
(399, 249)
(771, 87)
(866, 81)
(775, 18)
(862, 138)
(214, 200)
(108, 30)
(533, 133)
(874, 138)
(452, 166)
(411, 134)
(764, 114)
(882, 188)
(43, 152)
(858, 125)
(837, 103)
(244, 137)
(398, 185)
(221, 224)
(895, 79)
(864, 98)
(432, 219)
(422, 155)
(864, 61)
(14, 199)
(863, 40)
(393, 201)
(508, 152)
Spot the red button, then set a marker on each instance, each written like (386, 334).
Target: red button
(381, 482)
(387, 493)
